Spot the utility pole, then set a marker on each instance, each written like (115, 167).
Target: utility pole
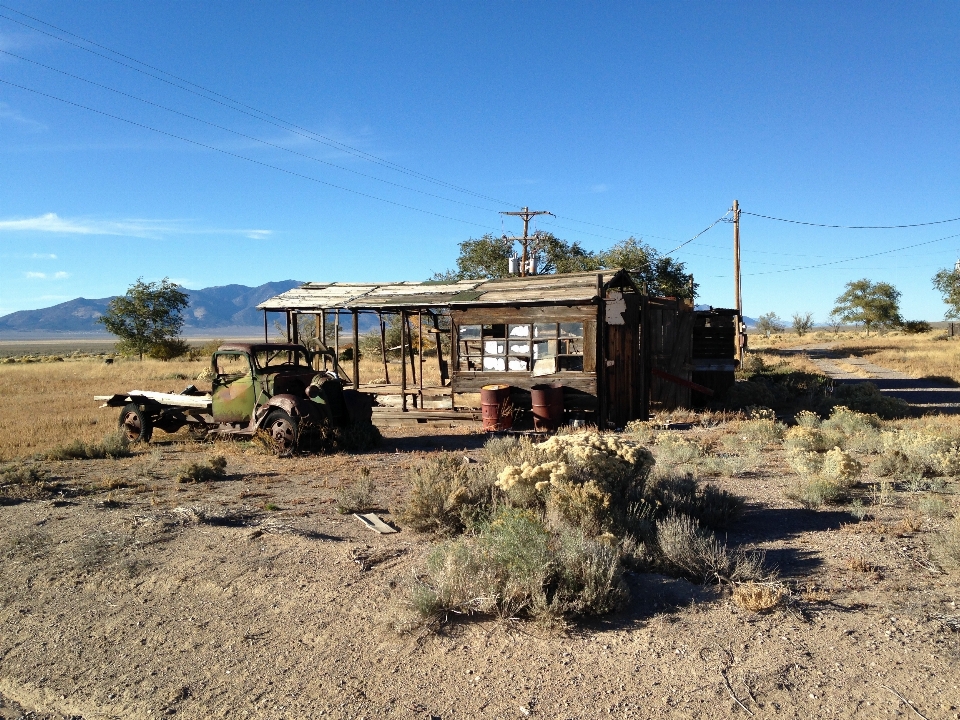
(738, 299)
(527, 214)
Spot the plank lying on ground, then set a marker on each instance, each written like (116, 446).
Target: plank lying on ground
(373, 521)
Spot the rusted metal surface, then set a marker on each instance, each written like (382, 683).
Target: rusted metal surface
(496, 407)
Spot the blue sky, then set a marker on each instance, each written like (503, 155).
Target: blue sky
(646, 119)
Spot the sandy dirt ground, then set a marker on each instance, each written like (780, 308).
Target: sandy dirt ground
(196, 600)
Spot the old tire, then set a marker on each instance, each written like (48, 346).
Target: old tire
(283, 432)
(135, 423)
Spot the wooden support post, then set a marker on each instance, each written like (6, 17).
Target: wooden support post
(323, 335)
(602, 403)
(383, 348)
(438, 334)
(420, 351)
(403, 360)
(288, 326)
(356, 351)
(336, 340)
(737, 298)
(296, 326)
(266, 337)
(413, 369)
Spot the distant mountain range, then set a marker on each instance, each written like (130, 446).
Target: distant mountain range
(225, 306)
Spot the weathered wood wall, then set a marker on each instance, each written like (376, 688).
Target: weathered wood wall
(668, 329)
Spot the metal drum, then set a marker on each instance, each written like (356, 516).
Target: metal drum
(547, 403)
(497, 410)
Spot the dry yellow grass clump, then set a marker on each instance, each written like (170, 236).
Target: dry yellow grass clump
(48, 404)
(919, 355)
(758, 597)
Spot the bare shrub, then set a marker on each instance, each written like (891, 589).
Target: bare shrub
(213, 469)
(933, 506)
(759, 597)
(98, 549)
(357, 496)
(445, 496)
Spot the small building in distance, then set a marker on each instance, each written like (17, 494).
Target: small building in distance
(596, 335)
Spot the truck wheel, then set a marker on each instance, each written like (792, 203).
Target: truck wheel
(283, 432)
(135, 423)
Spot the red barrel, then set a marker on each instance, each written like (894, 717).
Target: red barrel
(547, 401)
(497, 410)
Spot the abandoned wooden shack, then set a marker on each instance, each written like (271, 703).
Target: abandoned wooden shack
(595, 335)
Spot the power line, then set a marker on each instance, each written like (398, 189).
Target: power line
(241, 157)
(718, 220)
(244, 135)
(280, 122)
(303, 132)
(858, 257)
(852, 227)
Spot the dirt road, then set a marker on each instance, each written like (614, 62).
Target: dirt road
(925, 395)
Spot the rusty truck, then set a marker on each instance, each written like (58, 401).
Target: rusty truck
(267, 387)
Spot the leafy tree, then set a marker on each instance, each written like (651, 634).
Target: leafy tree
(663, 275)
(481, 259)
(770, 324)
(872, 304)
(948, 283)
(149, 315)
(488, 257)
(802, 323)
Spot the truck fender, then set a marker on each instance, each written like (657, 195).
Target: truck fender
(297, 408)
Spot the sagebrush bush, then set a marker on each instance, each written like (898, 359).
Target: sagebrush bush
(805, 463)
(684, 495)
(806, 418)
(816, 492)
(514, 566)
(846, 428)
(925, 452)
(114, 445)
(22, 474)
(357, 496)
(696, 554)
(762, 432)
(197, 471)
(586, 479)
(445, 496)
(675, 449)
(804, 438)
(840, 466)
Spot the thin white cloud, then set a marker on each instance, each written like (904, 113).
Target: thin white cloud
(46, 276)
(43, 256)
(9, 115)
(152, 229)
(598, 188)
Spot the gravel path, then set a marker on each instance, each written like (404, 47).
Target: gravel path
(928, 395)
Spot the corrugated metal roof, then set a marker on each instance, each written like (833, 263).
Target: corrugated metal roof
(565, 288)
